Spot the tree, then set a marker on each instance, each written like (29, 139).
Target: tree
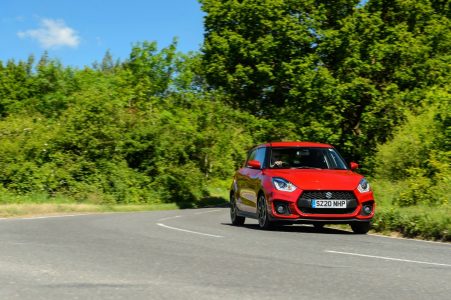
(339, 72)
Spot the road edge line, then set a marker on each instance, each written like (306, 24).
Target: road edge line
(388, 258)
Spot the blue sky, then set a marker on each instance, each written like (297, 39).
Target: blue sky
(79, 32)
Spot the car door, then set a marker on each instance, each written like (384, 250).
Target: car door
(250, 182)
(244, 195)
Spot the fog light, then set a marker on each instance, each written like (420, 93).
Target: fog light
(281, 209)
(367, 209)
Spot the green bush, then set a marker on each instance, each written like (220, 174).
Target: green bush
(416, 190)
(418, 158)
(412, 146)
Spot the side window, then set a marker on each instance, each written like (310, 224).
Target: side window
(260, 156)
(251, 156)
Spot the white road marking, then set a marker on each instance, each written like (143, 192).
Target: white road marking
(389, 258)
(169, 218)
(206, 212)
(189, 231)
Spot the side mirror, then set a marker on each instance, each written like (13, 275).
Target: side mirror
(254, 164)
(354, 165)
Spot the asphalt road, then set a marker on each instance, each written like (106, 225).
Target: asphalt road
(197, 254)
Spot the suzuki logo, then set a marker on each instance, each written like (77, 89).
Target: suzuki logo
(328, 195)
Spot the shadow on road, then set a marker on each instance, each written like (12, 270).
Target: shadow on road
(205, 202)
(294, 228)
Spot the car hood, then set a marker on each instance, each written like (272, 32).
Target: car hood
(315, 179)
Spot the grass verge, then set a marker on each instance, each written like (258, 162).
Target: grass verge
(12, 205)
(431, 222)
(40, 209)
(414, 222)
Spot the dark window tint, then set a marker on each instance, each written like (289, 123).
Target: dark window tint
(306, 158)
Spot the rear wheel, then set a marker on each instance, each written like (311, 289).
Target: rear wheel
(236, 220)
(262, 213)
(360, 227)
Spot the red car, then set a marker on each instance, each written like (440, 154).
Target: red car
(300, 182)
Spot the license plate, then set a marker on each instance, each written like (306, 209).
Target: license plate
(328, 203)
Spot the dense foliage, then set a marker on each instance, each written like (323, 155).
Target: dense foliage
(419, 157)
(139, 131)
(372, 79)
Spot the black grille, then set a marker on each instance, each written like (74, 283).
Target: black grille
(335, 195)
(305, 202)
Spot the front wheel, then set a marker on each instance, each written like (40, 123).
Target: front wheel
(236, 220)
(360, 227)
(262, 213)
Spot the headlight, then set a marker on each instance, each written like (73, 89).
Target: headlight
(364, 186)
(283, 185)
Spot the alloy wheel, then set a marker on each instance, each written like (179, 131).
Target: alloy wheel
(262, 212)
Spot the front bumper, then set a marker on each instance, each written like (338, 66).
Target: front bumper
(317, 220)
(298, 210)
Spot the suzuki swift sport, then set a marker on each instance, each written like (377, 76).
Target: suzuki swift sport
(300, 182)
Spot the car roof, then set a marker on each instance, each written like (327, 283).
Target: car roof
(296, 144)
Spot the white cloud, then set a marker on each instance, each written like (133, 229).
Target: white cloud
(52, 34)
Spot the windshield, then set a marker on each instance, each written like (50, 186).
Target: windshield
(306, 158)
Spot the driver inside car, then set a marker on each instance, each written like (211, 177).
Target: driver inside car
(278, 160)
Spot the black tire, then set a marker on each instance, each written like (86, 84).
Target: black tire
(236, 220)
(360, 227)
(262, 213)
(319, 226)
